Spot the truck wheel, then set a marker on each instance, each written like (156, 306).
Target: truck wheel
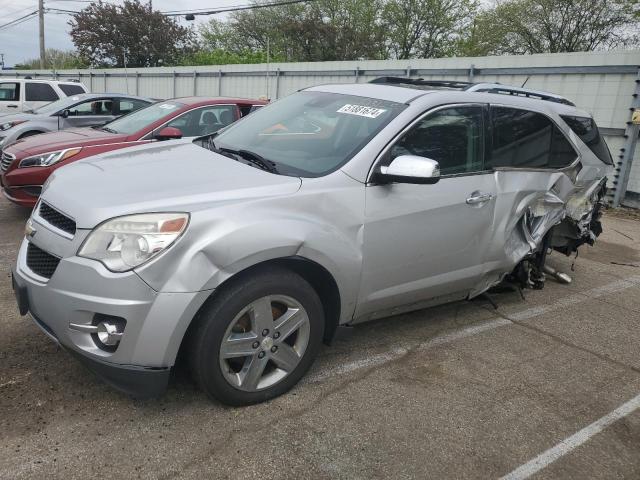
(257, 337)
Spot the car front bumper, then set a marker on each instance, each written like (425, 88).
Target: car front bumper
(79, 290)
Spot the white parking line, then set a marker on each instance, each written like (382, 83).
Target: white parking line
(401, 351)
(572, 442)
(526, 314)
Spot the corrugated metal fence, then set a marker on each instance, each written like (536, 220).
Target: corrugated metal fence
(603, 83)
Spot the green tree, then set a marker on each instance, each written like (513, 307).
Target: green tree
(55, 60)
(426, 28)
(129, 35)
(541, 26)
(314, 31)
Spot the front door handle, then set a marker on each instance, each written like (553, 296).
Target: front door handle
(479, 197)
(12, 106)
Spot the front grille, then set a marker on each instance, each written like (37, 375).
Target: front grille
(57, 219)
(41, 262)
(6, 160)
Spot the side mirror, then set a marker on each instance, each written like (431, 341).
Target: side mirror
(410, 169)
(168, 133)
(65, 113)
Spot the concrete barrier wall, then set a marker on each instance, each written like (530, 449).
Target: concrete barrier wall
(602, 83)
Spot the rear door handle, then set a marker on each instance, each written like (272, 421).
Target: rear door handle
(479, 197)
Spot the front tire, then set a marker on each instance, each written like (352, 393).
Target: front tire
(257, 337)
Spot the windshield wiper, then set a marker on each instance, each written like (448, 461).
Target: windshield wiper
(251, 157)
(109, 130)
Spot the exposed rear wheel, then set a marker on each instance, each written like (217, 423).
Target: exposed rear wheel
(257, 338)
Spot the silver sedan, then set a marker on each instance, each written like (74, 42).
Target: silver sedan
(85, 110)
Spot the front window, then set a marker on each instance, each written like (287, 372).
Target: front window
(136, 121)
(40, 92)
(57, 106)
(451, 136)
(91, 108)
(310, 134)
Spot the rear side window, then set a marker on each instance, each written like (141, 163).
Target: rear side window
(40, 92)
(128, 106)
(525, 139)
(588, 132)
(70, 90)
(9, 92)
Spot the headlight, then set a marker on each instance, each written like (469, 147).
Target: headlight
(7, 125)
(49, 158)
(124, 243)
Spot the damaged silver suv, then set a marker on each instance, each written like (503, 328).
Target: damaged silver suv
(335, 205)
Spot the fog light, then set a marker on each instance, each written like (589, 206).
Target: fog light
(105, 330)
(108, 334)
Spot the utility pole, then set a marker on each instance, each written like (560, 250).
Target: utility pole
(41, 22)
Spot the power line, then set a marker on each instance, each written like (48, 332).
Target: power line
(232, 9)
(16, 12)
(171, 13)
(19, 20)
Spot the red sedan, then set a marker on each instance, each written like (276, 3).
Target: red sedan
(26, 164)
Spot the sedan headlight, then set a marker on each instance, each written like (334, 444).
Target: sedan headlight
(7, 125)
(49, 158)
(124, 243)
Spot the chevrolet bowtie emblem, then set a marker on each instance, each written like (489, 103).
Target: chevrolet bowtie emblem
(29, 231)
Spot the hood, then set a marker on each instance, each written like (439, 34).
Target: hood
(12, 117)
(176, 176)
(74, 137)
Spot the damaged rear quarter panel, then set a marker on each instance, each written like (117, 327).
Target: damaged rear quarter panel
(530, 203)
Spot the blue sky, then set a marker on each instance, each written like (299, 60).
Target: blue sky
(20, 42)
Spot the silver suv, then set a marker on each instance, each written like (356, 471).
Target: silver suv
(85, 110)
(335, 205)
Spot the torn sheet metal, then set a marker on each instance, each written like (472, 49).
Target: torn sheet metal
(537, 212)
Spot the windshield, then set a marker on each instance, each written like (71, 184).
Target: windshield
(142, 118)
(309, 134)
(58, 105)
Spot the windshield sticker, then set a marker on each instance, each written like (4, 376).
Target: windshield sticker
(362, 111)
(168, 106)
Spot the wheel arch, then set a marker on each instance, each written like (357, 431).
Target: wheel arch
(320, 279)
(30, 133)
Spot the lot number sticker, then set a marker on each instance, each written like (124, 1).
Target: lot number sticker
(362, 111)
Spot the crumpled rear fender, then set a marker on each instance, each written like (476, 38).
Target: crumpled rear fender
(529, 205)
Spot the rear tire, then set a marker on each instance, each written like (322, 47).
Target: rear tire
(257, 337)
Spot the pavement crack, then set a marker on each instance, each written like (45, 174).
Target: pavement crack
(624, 234)
(569, 344)
(228, 441)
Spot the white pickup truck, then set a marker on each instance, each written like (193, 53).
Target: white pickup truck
(25, 94)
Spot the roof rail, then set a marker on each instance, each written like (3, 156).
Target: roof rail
(420, 82)
(519, 92)
(497, 88)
